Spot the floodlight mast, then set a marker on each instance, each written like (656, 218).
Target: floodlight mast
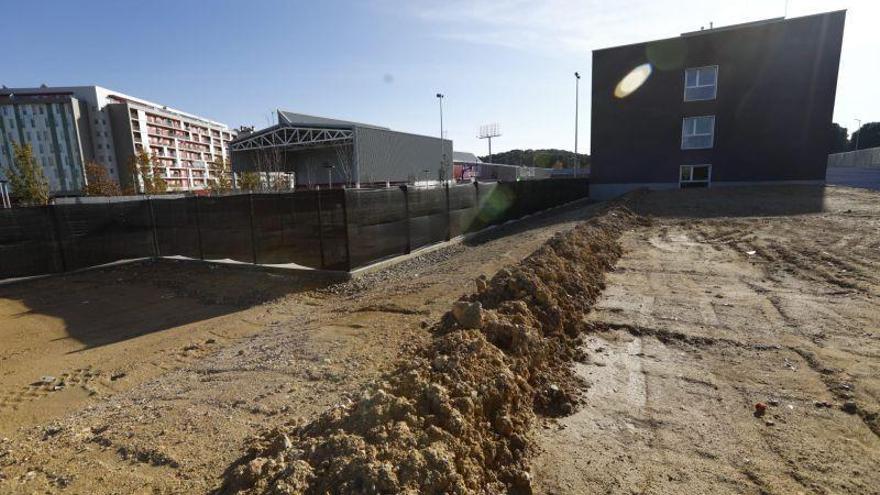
(487, 132)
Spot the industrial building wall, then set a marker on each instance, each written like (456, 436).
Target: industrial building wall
(863, 158)
(307, 165)
(382, 155)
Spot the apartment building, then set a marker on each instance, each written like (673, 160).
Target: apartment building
(52, 124)
(111, 128)
(735, 105)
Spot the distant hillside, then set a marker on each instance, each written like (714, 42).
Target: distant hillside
(547, 158)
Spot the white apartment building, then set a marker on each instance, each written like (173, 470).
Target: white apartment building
(111, 127)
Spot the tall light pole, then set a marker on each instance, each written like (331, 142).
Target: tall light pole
(329, 168)
(577, 80)
(859, 133)
(440, 97)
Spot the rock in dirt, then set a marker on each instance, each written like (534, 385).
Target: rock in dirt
(481, 283)
(760, 409)
(468, 314)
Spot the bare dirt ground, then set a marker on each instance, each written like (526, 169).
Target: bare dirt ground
(148, 378)
(732, 298)
(154, 376)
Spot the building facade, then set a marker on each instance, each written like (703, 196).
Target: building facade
(466, 167)
(53, 125)
(95, 124)
(744, 104)
(320, 151)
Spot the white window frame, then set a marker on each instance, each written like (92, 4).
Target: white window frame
(698, 85)
(708, 180)
(711, 134)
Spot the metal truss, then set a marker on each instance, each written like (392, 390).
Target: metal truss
(293, 138)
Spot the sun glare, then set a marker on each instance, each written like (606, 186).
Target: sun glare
(632, 81)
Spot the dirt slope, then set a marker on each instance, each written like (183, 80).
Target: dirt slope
(455, 415)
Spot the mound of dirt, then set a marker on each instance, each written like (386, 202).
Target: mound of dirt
(455, 416)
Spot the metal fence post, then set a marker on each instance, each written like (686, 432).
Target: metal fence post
(345, 222)
(56, 224)
(253, 234)
(408, 223)
(320, 227)
(199, 230)
(156, 252)
(476, 217)
(448, 214)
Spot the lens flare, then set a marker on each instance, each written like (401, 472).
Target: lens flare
(632, 81)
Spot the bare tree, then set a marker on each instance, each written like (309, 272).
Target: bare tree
(269, 164)
(343, 161)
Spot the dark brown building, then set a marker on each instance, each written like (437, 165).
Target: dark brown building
(744, 104)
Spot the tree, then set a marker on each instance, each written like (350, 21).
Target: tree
(249, 181)
(143, 167)
(99, 181)
(222, 180)
(868, 136)
(545, 158)
(839, 141)
(26, 178)
(280, 182)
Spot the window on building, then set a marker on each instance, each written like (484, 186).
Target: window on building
(697, 132)
(695, 175)
(701, 83)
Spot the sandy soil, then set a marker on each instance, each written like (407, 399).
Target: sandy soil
(148, 378)
(732, 298)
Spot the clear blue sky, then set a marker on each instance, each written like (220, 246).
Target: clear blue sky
(506, 61)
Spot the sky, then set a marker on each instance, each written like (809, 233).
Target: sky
(509, 62)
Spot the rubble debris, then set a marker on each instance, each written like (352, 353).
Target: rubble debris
(46, 380)
(760, 409)
(468, 314)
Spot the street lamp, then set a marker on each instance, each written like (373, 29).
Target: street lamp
(577, 80)
(440, 97)
(329, 167)
(859, 133)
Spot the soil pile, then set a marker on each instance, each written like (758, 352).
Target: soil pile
(455, 416)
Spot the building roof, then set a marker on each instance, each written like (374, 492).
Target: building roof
(99, 92)
(730, 27)
(464, 156)
(301, 119)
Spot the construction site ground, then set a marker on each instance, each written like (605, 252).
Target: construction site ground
(147, 378)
